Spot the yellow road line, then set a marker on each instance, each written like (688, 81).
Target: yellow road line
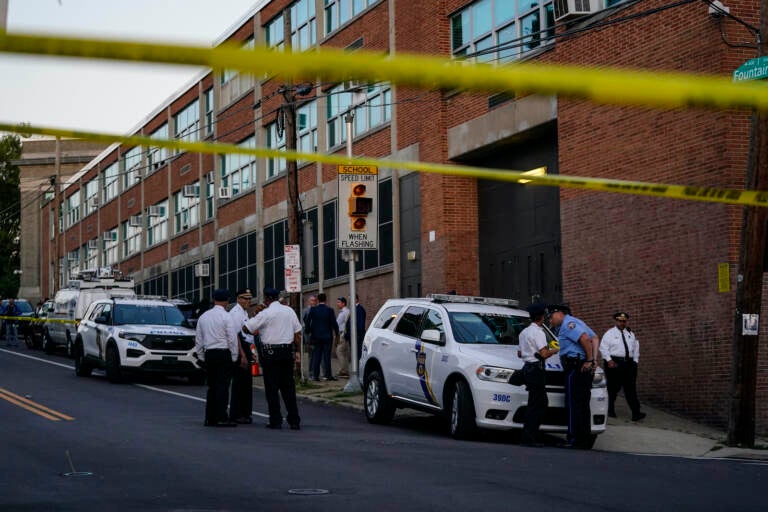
(34, 407)
(657, 89)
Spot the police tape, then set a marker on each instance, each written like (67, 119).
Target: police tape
(600, 85)
(39, 320)
(686, 192)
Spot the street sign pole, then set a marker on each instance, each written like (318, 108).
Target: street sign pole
(352, 384)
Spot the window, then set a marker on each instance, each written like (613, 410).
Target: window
(91, 251)
(210, 195)
(275, 140)
(387, 316)
(185, 285)
(239, 171)
(338, 12)
(131, 239)
(156, 286)
(186, 211)
(73, 263)
(375, 111)
(73, 209)
(91, 203)
(111, 255)
(157, 223)
(208, 97)
(410, 322)
(229, 74)
(156, 157)
(306, 129)
(131, 167)
(303, 27)
(309, 273)
(274, 254)
(501, 30)
(109, 182)
(237, 263)
(186, 122)
(472, 327)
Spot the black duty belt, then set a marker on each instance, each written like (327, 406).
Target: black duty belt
(621, 359)
(276, 346)
(571, 360)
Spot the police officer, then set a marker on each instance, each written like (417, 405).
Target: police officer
(241, 398)
(534, 351)
(280, 332)
(578, 349)
(217, 347)
(621, 354)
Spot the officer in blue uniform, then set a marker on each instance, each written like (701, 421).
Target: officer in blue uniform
(578, 350)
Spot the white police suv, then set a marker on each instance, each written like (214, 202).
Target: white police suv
(454, 355)
(136, 335)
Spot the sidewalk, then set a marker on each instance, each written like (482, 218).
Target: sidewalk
(660, 433)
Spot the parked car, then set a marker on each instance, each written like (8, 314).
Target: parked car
(124, 336)
(25, 310)
(70, 303)
(37, 326)
(454, 355)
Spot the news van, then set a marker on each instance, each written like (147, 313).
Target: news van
(70, 303)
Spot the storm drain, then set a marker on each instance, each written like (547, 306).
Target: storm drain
(308, 492)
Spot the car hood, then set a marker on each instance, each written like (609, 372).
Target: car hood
(504, 356)
(157, 330)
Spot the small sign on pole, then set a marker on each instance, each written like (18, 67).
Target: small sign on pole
(292, 269)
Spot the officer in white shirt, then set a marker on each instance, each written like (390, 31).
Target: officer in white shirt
(217, 347)
(621, 354)
(534, 351)
(280, 332)
(342, 344)
(241, 398)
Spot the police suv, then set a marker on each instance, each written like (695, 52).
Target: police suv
(123, 335)
(454, 355)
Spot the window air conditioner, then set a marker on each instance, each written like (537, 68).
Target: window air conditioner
(354, 85)
(202, 270)
(135, 221)
(109, 236)
(93, 244)
(568, 9)
(94, 202)
(155, 211)
(191, 191)
(225, 193)
(210, 178)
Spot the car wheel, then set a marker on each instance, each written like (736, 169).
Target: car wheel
(379, 408)
(70, 346)
(462, 420)
(114, 374)
(82, 367)
(48, 345)
(28, 342)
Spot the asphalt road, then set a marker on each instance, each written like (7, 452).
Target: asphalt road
(142, 446)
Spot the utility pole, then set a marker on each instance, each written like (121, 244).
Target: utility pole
(749, 286)
(57, 231)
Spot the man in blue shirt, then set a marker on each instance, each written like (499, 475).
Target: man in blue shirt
(578, 350)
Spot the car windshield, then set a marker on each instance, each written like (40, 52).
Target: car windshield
(148, 315)
(22, 305)
(475, 327)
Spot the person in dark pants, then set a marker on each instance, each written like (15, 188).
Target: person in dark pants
(360, 325)
(621, 354)
(216, 346)
(241, 398)
(279, 330)
(578, 349)
(323, 329)
(534, 351)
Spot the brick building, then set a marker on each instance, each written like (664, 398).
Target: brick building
(158, 215)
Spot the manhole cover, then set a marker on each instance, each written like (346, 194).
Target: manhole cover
(78, 473)
(308, 492)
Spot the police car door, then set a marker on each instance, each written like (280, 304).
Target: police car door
(427, 373)
(88, 331)
(400, 363)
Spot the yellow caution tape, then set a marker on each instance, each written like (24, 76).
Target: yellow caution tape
(687, 192)
(39, 320)
(600, 85)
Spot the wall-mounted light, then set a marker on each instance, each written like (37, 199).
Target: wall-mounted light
(411, 255)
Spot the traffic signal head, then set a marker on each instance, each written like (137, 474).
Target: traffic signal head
(359, 205)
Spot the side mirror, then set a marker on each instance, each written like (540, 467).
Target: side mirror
(102, 319)
(432, 336)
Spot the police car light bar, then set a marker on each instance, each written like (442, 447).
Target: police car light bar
(468, 299)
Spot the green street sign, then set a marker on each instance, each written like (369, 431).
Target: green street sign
(753, 69)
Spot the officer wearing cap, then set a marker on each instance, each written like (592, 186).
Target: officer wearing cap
(578, 349)
(241, 398)
(216, 346)
(534, 351)
(280, 332)
(621, 354)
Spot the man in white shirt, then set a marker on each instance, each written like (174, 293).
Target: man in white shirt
(342, 341)
(621, 354)
(534, 351)
(280, 332)
(241, 398)
(216, 346)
